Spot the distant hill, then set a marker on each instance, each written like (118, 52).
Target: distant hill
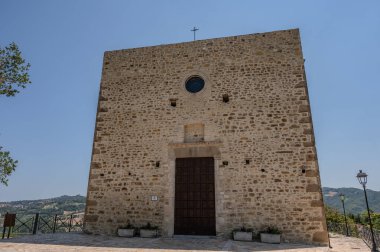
(59, 205)
(355, 201)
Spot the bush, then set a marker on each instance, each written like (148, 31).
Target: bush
(271, 230)
(148, 226)
(243, 229)
(128, 226)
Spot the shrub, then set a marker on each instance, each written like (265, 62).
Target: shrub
(243, 229)
(128, 226)
(148, 226)
(271, 230)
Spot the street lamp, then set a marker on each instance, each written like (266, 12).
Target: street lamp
(362, 178)
(342, 198)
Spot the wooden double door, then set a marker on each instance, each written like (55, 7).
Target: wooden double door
(194, 212)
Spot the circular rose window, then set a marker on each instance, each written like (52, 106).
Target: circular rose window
(194, 84)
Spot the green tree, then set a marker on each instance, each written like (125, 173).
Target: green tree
(358, 219)
(14, 71)
(7, 166)
(333, 215)
(14, 75)
(375, 218)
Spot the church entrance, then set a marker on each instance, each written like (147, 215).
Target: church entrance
(194, 212)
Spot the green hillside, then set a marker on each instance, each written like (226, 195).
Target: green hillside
(355, 201)
(59, 205)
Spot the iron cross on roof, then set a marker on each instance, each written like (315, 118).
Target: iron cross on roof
(195, 29)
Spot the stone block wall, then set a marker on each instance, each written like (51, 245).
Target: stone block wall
(264, 132)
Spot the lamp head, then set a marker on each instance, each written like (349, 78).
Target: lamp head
(342, 197)
(362, 177)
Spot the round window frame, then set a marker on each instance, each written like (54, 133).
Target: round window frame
(201, 95)
(195, 76)
(191, 77)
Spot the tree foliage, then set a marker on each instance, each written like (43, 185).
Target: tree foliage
(334, 216)
(7, 166)
(375, 218)
(14, 75)
(14, 71)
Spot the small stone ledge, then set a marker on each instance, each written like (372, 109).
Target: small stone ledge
(195, 144)
(195, 149)
(284, 151)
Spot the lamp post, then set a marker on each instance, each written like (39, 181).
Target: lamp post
(342, 198)
(362, 178)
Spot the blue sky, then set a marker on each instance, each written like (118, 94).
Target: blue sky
(49, 126)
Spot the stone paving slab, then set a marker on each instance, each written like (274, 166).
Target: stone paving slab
(342, 243)
(80, 242)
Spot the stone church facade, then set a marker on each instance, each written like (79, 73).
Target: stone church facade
(203, 137)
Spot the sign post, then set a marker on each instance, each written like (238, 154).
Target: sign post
(9, 222)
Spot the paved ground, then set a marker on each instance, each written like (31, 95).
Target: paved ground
(84, 243)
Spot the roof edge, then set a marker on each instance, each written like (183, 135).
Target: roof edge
(204, 40)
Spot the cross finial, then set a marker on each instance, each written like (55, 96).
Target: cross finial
(195, 29)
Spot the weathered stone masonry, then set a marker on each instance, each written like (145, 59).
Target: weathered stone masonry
(262, 140)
